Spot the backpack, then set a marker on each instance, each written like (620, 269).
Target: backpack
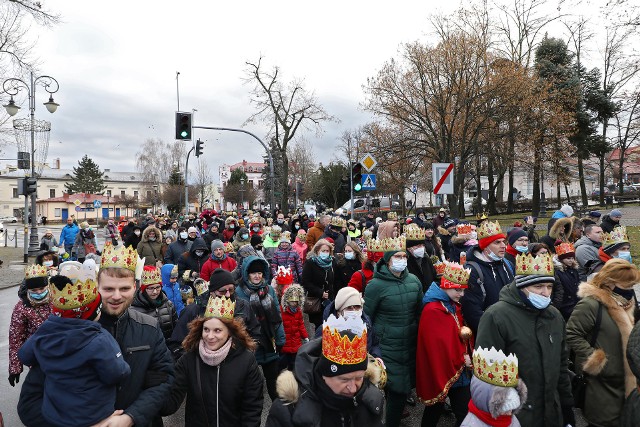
(480, 281)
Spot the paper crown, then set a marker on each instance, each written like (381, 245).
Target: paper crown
(228, 247)
(617, 235)
(482, 216)
(526, 265)
(220, 307)
(275, 230)
(336, 221)
(150, 276)
(82, 290)
(392, 216)
(284, 276)
(413, 232)
(285, 236)
(493, 367)
(464, 228)
(440, 267)
(455, 276)
(201, 286)
(34, 270)
(394, 244)
(565, 248)
(120, 256)
(174, 271)
(488, 229)
(374, 245)
(337, 347)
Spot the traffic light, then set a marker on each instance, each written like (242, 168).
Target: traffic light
(24, 162)
(32, 185)
(183, 126)
(356, 177)
(199, 147)
(344, 184)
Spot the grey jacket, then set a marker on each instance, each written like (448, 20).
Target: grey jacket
(586, 250)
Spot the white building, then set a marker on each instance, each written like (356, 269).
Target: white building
(255, 180)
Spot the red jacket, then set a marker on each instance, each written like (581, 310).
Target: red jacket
(227, 234)
(294, 330)
(357, 282)
(211, 264)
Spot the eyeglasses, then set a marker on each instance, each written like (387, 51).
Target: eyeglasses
(224, 292)
(523, 240)
(154, 289)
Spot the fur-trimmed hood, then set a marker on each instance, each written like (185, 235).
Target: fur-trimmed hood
(561, 229)
(149, 229)
(559, 265)
(291, 290)
(442, 231)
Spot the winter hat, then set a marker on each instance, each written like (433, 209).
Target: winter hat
(74, 291)
(428, 225)
(256, 266)
(36, 276)
(192, 230)
(256, 240)
(216, 244)
(533, 270)
(302, 235)
(489, 232)
(595, 214)
(346, 297)
(242, 231)
(567, 210)
(516, 234)
(615, 213)
(214, 224)
(344, 346)
(150, 276)
(451, 222)
(219, 278)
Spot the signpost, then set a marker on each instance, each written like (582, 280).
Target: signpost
(368, 162)
(369, 181)
(442, 178)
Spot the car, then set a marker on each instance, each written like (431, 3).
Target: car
(596, 192)
(376, 204)
(469, 202)
(11, 219)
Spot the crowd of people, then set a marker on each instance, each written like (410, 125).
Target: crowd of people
(345, 322)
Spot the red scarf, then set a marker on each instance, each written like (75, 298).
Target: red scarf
(513, 251)
(603, 255)
(487, 418)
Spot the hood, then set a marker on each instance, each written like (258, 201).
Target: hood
(489, 398)
(140, 299)
(60, 340)
(434, 293)
(240, 232)
(199, 244)
(291, 290)
(245, 267)
(386, 229)
(584, 240)
(284, 246)
(165, 272)
(245, 252)
(562, 226)
(145, 234)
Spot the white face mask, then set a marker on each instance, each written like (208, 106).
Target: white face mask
(184, 235)
(137, 233)
(398, 265)
(355, 314)
(419, 252)
(48, 263)
(349, 255)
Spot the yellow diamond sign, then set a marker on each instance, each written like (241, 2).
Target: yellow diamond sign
(368, 162)
(77, 202)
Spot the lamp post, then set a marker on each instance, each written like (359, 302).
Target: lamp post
(155, 197)
(242, 180)
(11, 87)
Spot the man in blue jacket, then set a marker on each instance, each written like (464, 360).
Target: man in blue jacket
(68, 235)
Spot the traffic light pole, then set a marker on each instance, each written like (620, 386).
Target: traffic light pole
(186, 185)
(271, 174)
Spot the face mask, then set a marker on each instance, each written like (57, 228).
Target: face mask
(39, 297)
(522, 249)
(324, 255)
(256, 229)
(245, 236)
(184, 235)
(137, 233)
(199, 253)
(297, 226)
(48, 263)
(349, 255)
(293, 309)
(152, 239)
(419, 253)
(355, 314)
(539, 301)
(625, 255)
(398, 265)
(232, 226)
(494, 257)
(280, 221)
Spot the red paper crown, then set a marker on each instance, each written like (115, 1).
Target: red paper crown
(464, 228)
(455, 276)
(337, 347)
(440, 266)
(284, 276)
(565, 248)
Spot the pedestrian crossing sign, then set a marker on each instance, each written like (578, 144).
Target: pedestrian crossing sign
(369, 181)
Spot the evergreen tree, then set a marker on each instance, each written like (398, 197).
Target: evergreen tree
(174, 190)
(87, 178)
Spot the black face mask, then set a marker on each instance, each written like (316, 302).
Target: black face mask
(628, 294)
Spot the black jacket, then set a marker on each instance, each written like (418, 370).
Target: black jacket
(141, 395)
(189, 260)
(165, 312)
(227, 395)
(565, 289)
(423, 269)
(608, 224)
(132, 240)
(344, 270)
(209, 237)
(316, 280)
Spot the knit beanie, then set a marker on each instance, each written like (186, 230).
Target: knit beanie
(451, 222)
(616, 213)
(346, 297)
(516, 234)
(256, 240)
(567, 210)
(219, 278)
(217, 244)
(327, 368)
(387, 255)
(256, 266)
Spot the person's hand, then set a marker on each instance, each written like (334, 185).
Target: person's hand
(118, 419)
(530, 220)
(381, 362)
(568, 417)
(325, 295)
(117, 412)
(14, 379)
(467, 361)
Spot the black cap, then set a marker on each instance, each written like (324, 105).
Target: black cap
(219, 278)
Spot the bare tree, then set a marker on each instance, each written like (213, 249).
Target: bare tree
(203, 182)
(627, 125)
(285, 108)
(156, 159)
(303, 164)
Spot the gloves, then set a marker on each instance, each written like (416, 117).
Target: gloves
(568, 417)
(14, 379)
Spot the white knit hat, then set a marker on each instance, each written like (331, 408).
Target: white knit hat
(346, 297)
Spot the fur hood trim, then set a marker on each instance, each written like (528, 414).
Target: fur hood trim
(443, 231)
(623, 320)
(458, 240)
(145, 234)
(559, 265)
(500, 395)
(289, 391)
(291, 290)
(561, 229)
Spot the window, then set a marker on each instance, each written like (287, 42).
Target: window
(109, 193)
(56, 212)
(52, 192)
(135, 193)
(148, 194)
(123, 194)
(15, 193)
(261, 184)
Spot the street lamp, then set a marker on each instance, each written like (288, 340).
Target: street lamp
(11, 87)
(155, 197)
(242, 180)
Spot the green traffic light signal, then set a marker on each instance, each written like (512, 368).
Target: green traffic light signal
(183, 126)
(356, 174)
(357, 187)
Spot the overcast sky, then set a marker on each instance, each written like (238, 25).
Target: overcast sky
(116, 63)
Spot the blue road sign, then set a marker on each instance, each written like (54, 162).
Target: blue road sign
(369, 181)
(97, 204)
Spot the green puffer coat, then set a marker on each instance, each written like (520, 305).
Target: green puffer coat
(609, 378)
(394, 305)
(631, 411)
(537, 338)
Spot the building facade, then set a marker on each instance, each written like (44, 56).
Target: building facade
(255, 180)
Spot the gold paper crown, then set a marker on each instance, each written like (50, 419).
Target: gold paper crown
(119, 256)
(488, 229)
(526, 265)
(374, 245)
(83, 288)
(617, 235)
(493, 367)
(565, 248)
(394, 244)
(201, 286)
(413, 232)
(392, 216)
(228, 247)
(220, 307)
(34, 270)
(455, 274)
(482, 216)
(464, 228)
(151, 276)
(337, 221)
(337, 347)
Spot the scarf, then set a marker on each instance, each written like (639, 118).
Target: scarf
(214, 357)
(487, 418)
(215, 258)
(604, 257)
(322, 263)
(266, 311)
(512, 251)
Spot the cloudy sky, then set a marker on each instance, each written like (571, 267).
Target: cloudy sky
(116, 63)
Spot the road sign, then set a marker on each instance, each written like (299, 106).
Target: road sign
(368, 162)
(97, 204)
(369, 181)
(442, 176)
(78, 208)
(414, 188)
(77, 202)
